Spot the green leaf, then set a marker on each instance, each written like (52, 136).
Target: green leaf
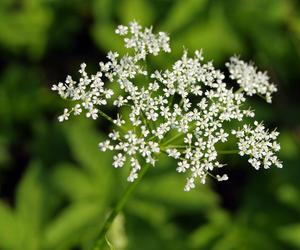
(241, 236)
(181, 13)
(33, 40)
(8, 227)
(168, 189)
(84, 140)
(78, 185)
(290, 234)
(289, 147)
(219, 222)
(208, 34)
(140, 10)
(155, 213)
(106, 38)
(290, 195)
(73, 225)
(31, 206)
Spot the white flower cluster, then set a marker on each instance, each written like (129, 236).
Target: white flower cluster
(259, 144)
(181, 111)
(251, 80)
(88, 91)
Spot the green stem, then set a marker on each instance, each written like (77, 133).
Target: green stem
(173, 139)
(239, 90)
(227, 152)
(179, 147)
(100, 241)
(107, 117)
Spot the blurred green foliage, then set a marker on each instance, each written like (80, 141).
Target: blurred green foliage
(55, 186)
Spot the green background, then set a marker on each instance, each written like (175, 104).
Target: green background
(56, 187)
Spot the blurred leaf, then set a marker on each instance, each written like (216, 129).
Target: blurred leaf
(204, 236)
(219, 222)
(168, 189)
(79, 184)
(8, 227)
(103, 9)
(117, 235)
(181, 13)
(84, 140)
(31, 207)
(289, 147)
(70, 226)
(207, 35)
(19, 86)
(241, 237)
(18, 17)
(155, 213)
(4, 154)
(290, 195)
(106, 38)
(140, 10)
(290, 234)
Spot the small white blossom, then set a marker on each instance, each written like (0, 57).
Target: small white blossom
(119, 160)
(172, 152)
(190, 184)
(122, 30)
(93, 113)
(64, 116)
(77, 109)
(119, 121)
(224, 177)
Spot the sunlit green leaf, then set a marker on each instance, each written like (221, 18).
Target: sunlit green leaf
(8, 227)
(290, 234)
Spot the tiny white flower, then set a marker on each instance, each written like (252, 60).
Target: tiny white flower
(224, 177)
(122, 30)
(93, 113)
(119, 160)
(172, 152)
(64, 116)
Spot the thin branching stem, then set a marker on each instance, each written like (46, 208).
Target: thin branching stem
(107, 117)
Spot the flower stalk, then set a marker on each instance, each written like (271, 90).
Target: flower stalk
(100, 241)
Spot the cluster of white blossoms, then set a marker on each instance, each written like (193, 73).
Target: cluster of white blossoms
(183, 112)
(252, 81)
(259, 144)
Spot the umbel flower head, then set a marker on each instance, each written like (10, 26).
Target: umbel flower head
(182, 111)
